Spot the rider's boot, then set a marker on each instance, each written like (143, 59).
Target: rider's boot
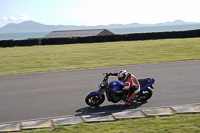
(129, 101)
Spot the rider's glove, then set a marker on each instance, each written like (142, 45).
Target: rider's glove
(108, 74)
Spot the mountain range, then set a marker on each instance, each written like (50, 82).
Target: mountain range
(31, 26)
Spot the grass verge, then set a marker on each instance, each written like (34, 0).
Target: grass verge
(17, 60)
(182, 123)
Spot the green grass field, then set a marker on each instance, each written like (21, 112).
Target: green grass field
(17, 60)
(184, 123)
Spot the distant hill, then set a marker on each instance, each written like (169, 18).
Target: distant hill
(31, 26)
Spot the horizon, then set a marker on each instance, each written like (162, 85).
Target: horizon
(182, 22)
(98, 12)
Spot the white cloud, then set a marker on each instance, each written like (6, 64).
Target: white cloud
(4, 19)
(21, 17)
(24, 17)
(12, 18)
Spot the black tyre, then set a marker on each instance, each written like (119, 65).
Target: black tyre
(145, 95)
(94, 100)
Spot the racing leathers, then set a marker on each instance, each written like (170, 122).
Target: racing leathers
(131, 85)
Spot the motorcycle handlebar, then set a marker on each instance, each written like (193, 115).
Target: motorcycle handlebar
(106, 76)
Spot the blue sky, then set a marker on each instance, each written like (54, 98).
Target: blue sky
(98, 12)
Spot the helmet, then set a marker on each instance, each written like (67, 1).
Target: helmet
(122, 75)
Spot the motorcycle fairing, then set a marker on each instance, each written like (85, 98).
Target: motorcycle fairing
(116, 85)
(95, 93)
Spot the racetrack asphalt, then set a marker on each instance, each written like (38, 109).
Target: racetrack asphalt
(62, 93)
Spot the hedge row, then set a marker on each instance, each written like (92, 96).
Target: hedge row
(108, 38)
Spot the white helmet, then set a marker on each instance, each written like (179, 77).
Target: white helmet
(122, 75)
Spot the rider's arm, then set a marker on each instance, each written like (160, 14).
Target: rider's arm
(113, 74)
(110, 74)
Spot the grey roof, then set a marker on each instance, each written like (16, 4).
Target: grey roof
(78, 33)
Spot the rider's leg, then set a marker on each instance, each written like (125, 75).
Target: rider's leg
(132, 94)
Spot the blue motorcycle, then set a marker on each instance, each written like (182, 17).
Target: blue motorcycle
(96, 98)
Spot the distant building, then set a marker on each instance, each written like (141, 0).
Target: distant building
(78, 33)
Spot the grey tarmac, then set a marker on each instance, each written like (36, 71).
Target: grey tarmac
(62, 93)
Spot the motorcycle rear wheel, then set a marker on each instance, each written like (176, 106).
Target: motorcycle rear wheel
(145, 95)
(94, 100)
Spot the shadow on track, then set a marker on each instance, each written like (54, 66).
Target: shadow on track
(109, 109)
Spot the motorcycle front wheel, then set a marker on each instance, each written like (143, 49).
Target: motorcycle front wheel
(94, 100)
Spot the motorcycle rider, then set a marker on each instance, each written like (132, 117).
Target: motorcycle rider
(131, 85)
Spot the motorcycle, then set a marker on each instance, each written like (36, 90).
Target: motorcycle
(96, 98)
